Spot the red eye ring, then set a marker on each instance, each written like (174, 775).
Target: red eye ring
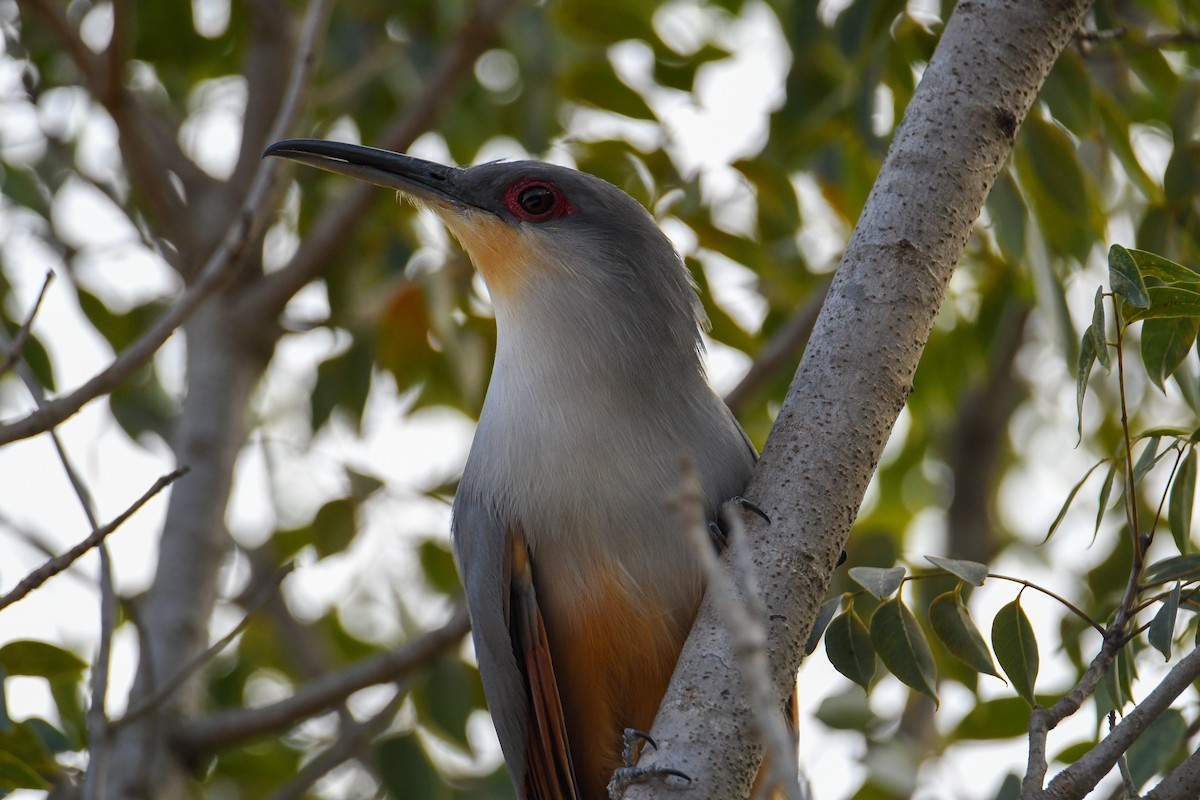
(536, 201)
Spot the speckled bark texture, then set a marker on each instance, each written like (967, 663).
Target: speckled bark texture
(858, 369)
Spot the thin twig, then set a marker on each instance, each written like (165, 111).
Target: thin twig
(349, 742)
(1082, 776)
(1043, 720)
(781, 350)
(97, 718)
(61, 562)
(16, 347)
(260, 201)
(200, 659)
(226, 728)
(1131, 791)
(744, 619)
(328, 233)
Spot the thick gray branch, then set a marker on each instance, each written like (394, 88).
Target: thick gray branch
(1082, 776)
(858, 368)
(228, 728)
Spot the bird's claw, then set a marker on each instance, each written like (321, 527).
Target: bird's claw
(719, 538)
(748, 505)
(626, 776)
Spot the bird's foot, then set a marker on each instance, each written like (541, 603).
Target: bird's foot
(720, 539)
(631, 773)
(753, 508)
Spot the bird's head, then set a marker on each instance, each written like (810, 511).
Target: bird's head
(549, 241)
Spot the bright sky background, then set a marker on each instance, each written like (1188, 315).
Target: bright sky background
(280, 468)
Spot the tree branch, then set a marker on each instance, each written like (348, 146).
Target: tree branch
(227, 728)
(741, 608)
(15, 347)
(352, 737)
(329, 232)
(249, 221)
(1082, 776)
(781, 351)
(858, 367)
(1182, 783)
(165, 690)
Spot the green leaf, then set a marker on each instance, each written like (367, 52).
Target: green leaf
(1125, 278)
(1009, 217)
(1105, 490)
(1183, 495)
(877, 580)
(1162, 627)
(334, 527)
(449, 694)
(6, 722)
(1157, 747)
(1166, 342)
(1172, 569)
(989, 720)
(41, 659)
(847, 711)
(1166, 301)
(405, 770)
(824, 616)
(16, 774)
(952, 624)
(1016, 648)
(1087, 357)
(28, 751)
(1066, 506)
(1155, 266)
(848, 646)
(903, 648)
(437, 563)
(970, 571)
(1061, 194)
(1147, 459)
(1099, 330)
(1073, 752)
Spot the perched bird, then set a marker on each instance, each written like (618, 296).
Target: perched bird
(579, 579)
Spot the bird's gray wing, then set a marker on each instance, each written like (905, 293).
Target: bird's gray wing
(513, 653)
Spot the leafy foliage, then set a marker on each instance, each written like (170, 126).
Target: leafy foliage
(401, 330)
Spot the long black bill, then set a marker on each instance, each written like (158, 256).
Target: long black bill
(424, 180)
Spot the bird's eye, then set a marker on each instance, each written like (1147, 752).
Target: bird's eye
(536, 200)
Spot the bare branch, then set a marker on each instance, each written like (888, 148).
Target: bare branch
(858, 367)
(227, 728)
(781, 351)
(1182, 783)
(247, 224)
(270, 51)
(1082, 776)
(329, 232)
(349, 742)
(61, 562)
(1043, 720)
(16, 347)
(149, 142)
(743, 613)
(165, 690)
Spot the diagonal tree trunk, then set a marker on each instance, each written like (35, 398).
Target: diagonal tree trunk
(857, 371)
